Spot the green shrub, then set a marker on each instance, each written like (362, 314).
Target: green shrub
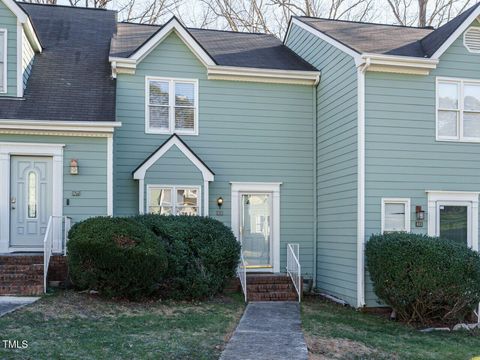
(424, 279)
(203, 254)
(116, 256)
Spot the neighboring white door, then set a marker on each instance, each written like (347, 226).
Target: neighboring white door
(255, 230)
(30, 200)
(454, 221)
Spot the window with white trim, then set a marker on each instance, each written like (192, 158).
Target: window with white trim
(395, 215)
(173, 200)
(3, 60)
(458, 110)
(171, 106)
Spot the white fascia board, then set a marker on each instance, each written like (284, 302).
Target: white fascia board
(347, 50)
(139, 174)
(456, 34)
(83, 126)
(32, 36)
(173, 25)
(218, 72)
(395, 60)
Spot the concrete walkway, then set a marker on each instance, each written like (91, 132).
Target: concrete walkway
(12, 303)
(268, 330)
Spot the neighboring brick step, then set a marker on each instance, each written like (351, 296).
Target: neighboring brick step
(21, 260)
(21, 269)
(269, 287)
(21, 290)
(18, 277)
(253, 279)
(273, 296)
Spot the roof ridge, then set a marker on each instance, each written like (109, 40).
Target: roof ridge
(64, 6)
(201, 29)
(368, 23)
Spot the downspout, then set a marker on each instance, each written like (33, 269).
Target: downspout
(361, 69)
(315, 200)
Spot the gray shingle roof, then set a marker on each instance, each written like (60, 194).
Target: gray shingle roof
(225, 47)
(387, 39)
(71, 78)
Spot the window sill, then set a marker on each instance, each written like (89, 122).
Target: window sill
(470, 140)
(167, 132)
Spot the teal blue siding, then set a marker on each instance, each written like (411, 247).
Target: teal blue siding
(252, 132)
(336, 163)
(174, 168)
(403, 159)
(91, 153)
(8, 21)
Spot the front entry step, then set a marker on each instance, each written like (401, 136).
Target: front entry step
(21, 275)
(270, 287)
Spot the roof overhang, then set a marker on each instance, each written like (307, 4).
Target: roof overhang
(397, 64)
(128, 65)
(140, 172)
(369, 61)
(263, 75)
(24, 19)
(86, 127)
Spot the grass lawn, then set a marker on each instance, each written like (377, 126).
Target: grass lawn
(68, 325)
(336, 332)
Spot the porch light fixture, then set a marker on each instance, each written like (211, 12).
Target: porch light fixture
(420, 214)
(73, 167)
(220, 202)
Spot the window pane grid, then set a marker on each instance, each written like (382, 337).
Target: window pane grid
(466, 124)
(173, 200)
(181, 102)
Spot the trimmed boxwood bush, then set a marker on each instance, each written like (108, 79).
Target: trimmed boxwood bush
(424, 279)
(203, 254)
(116, 256)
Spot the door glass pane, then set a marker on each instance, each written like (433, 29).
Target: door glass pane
(448, 96)
(160, 201)
(447, 123)
(394, 217)
(32, 195)
(454, 223)
(255, 229)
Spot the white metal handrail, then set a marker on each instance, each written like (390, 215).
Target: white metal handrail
(242, 275)
(56, 235)
(294, 269)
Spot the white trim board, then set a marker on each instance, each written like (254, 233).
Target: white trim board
(28, 149)
(110, 175)
(5, 64)
(261, 187)
(53, 125)
(139, 174)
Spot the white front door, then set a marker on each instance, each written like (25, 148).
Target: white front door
(255, 230)
(30, 200)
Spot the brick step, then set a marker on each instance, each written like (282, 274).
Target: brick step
(21, 290)
(253, 288)
(5, 277)
(273, 296)
(21, 260)
(21, 269)
(268, 279)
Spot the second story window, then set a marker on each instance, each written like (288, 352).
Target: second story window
(458, 110)
(171, 106)
(3, 61)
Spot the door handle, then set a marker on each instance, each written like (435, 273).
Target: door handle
(13, 199)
